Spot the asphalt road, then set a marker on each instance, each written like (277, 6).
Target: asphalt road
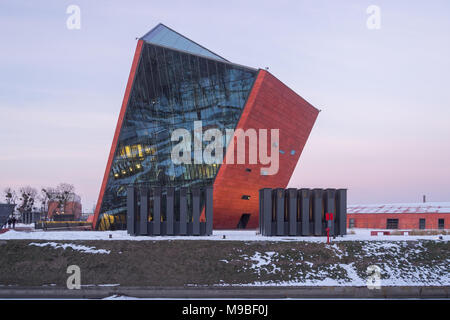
(344, 292)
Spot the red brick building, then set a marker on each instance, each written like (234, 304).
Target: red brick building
(428, 215)
(72, 209)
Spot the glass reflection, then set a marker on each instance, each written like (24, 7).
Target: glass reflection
(171, 90)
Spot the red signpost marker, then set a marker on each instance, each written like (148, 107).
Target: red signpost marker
(329, 218)
(328, 235)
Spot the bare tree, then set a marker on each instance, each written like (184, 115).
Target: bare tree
(48, 194)
(60, 195)
(27, 197)
(66, 193)
(10, 195)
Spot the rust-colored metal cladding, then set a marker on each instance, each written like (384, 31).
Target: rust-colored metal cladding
(137, 55)
(271, 105)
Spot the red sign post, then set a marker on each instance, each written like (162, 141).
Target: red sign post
(329, 218)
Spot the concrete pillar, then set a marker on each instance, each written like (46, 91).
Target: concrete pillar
(156, 211)
(170, 210)
(317, 211)
(266, 212)
(304, 207)
(329, 202)
(341, 211)
(260, 211)
(131, 210)
(209, 210)
(183, 211)
(279, 207)
(292, 210)
(144, 213)
(195, 211)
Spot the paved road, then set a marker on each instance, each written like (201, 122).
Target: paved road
(226, 292)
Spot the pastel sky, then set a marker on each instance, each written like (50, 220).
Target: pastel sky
(384, 129)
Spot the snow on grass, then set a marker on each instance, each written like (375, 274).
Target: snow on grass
(380, 248)
(73, 246)
(263, 261)
(355, 280)
(393, 277)
(401, 263)
(337, 251)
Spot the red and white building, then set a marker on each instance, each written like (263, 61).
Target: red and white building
(427, 215)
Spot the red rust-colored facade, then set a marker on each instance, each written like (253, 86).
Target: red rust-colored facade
(271, 105)
(137, 55)
(71, 208)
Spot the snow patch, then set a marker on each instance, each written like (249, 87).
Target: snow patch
(73, 246)
(263, 261)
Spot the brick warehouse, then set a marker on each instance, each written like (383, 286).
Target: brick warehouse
(427, 215)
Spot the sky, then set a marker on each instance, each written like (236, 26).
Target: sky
(384, 127)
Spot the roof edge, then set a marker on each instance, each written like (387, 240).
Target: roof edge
(162, 24)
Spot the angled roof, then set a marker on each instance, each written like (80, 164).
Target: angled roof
(164, 36)
(422, 207)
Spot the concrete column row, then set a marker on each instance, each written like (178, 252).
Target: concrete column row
(295, 212)
(145, 217)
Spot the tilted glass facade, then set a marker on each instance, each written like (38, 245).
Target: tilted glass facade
(171, 90)
(166, 37)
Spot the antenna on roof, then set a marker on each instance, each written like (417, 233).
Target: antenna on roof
(267, 68)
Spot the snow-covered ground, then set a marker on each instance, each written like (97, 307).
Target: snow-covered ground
(399, 262)
(218, 235)
(398, 271)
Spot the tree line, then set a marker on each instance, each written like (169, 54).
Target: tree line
(29, 199)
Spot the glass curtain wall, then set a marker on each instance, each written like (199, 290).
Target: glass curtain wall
(171, 90)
